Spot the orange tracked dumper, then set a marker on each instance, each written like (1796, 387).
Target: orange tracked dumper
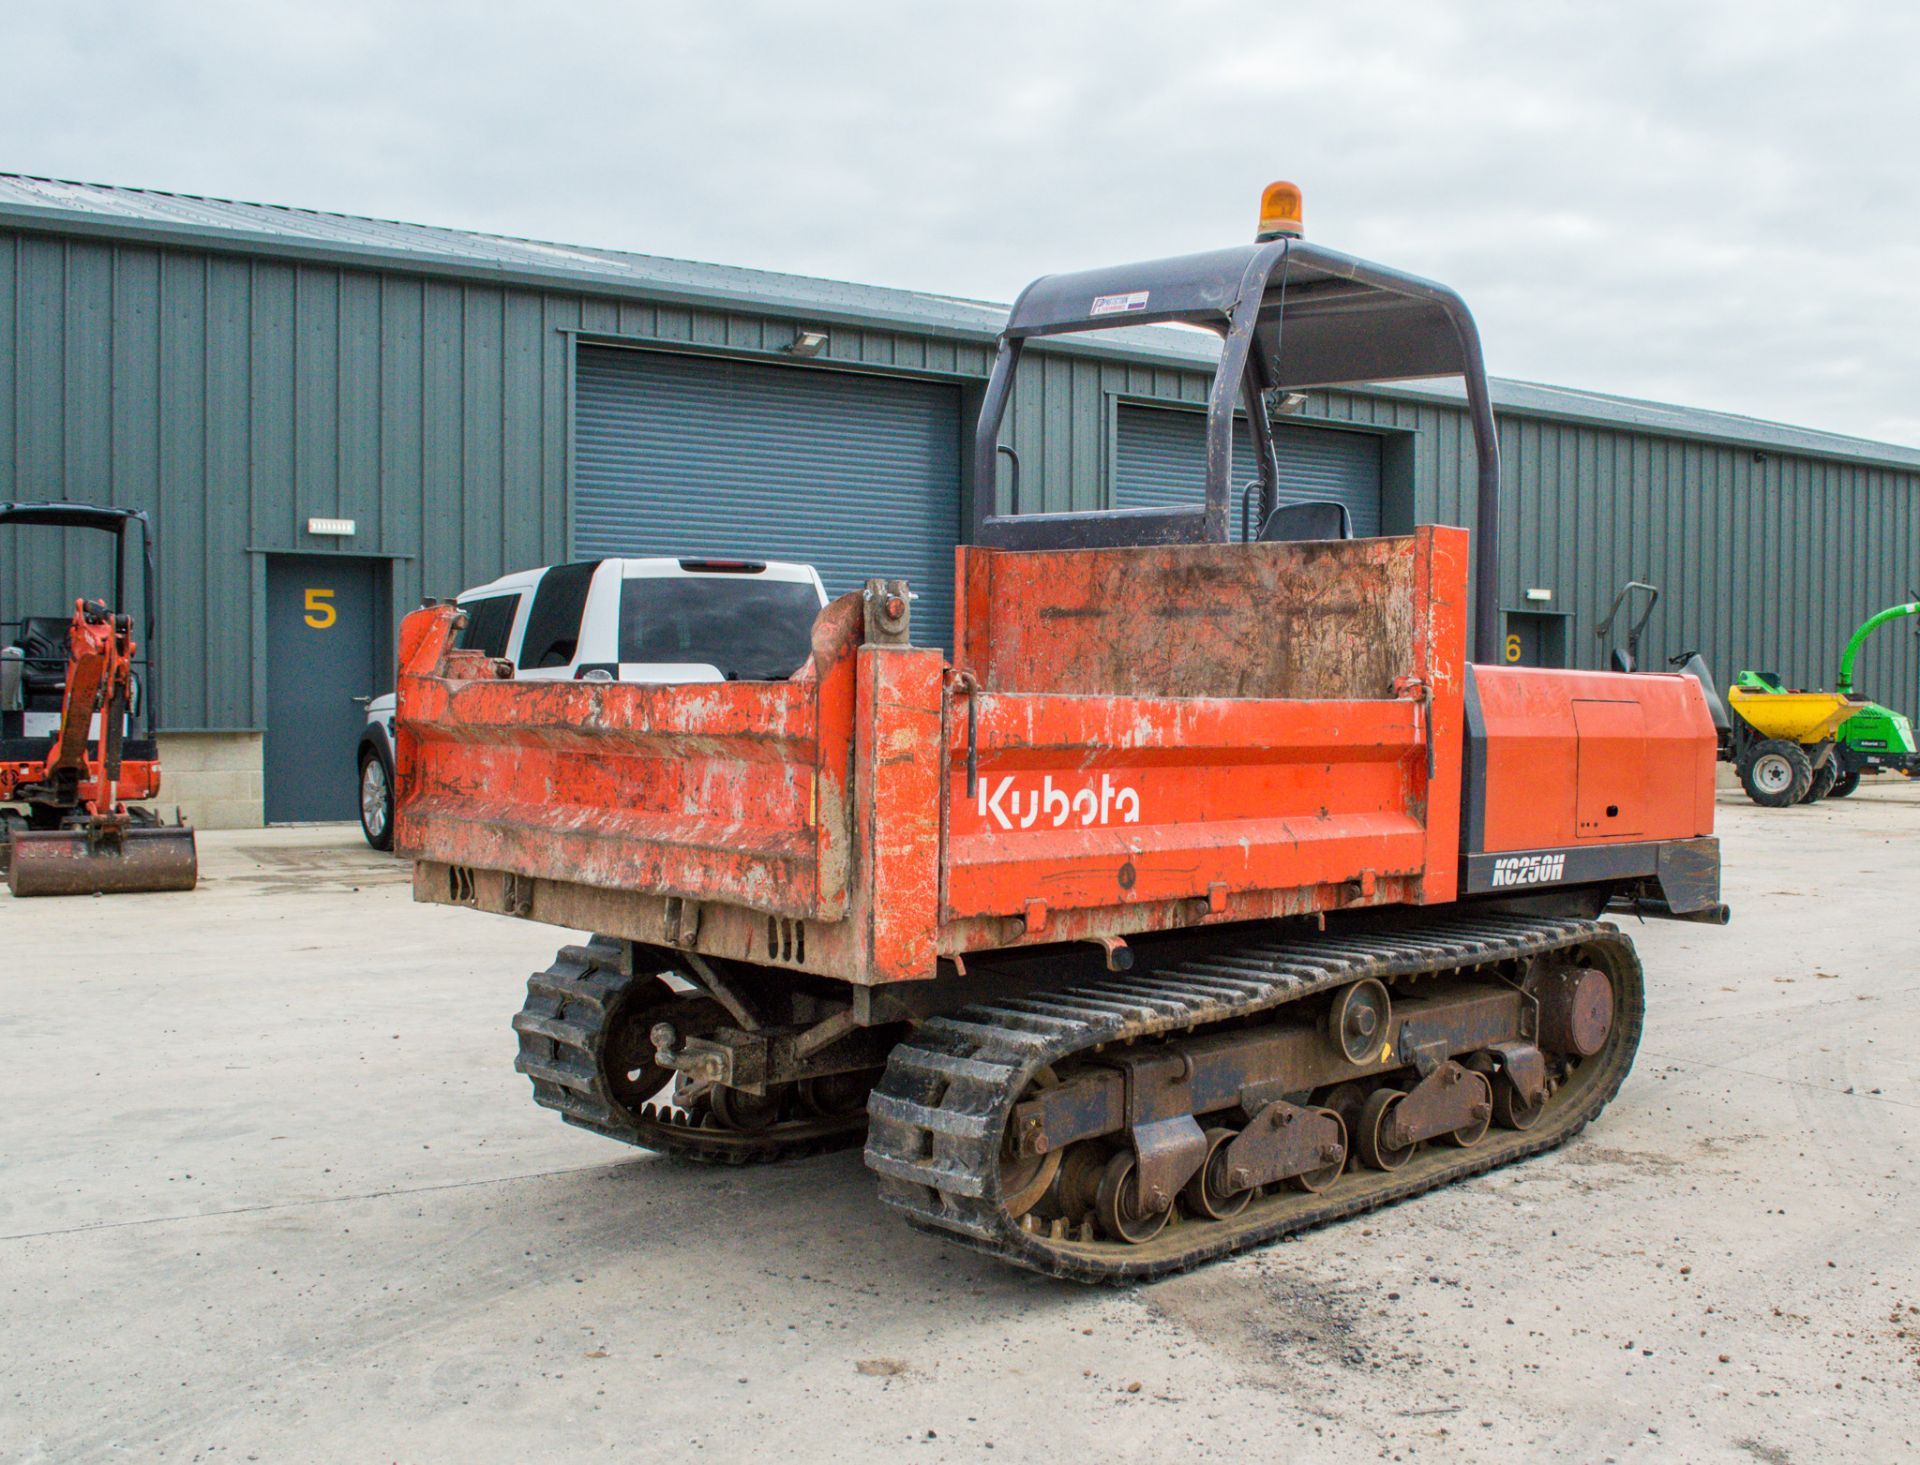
(1206, 892)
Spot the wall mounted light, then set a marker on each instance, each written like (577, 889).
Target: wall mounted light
(1286, 402)
(807, 343)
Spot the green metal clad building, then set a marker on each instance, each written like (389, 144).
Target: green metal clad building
(377, 411)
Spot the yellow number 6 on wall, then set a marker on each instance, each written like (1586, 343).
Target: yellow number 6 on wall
(1513, 642)
(320, 612)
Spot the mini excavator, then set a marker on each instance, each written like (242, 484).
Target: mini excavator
(70, 690)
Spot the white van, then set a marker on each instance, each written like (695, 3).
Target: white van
(644, 620)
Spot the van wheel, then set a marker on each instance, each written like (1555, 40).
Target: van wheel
(376, 800)
(1776, 773)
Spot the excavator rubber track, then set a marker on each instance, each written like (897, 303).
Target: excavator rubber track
(566, 1026)
(939, 1114)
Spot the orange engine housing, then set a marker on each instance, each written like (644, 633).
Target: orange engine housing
(1595, 770)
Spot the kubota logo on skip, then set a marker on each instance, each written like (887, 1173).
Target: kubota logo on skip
(1053, 806)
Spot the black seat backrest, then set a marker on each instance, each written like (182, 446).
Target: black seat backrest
(1314, 519)
(43, 642)
(1695, 666)
(44, 638)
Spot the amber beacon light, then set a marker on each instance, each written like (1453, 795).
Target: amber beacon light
(1280, 212)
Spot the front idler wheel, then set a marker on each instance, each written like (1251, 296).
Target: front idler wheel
(631, 1070)
(1115, 1209)
(1024, 1178)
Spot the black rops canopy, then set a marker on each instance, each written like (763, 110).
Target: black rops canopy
(72, 516)
(1293, 315)
(109, 520)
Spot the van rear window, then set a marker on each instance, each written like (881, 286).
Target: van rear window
(489, 624)
(751, 630)
(553, 625)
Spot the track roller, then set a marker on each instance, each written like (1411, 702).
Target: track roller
(1216, 1190)
(1375, 1136)
(1118, 1207)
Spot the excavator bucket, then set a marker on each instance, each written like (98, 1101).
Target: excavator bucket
(102, 860)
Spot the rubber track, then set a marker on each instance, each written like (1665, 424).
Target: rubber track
(563, 1032)
(938, 1114)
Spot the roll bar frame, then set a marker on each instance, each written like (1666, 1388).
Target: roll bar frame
(1291, 316)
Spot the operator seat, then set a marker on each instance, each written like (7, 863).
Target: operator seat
(1312, 519)
(43, 648)
(1693, 664)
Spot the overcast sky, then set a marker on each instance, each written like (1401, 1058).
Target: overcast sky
(1710, 204)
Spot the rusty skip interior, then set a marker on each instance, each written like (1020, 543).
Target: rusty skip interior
(1173, 674)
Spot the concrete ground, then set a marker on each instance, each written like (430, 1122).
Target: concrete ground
(270, 1189)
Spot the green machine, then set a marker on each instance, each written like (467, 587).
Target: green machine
(1875, 739)
(1821, 751)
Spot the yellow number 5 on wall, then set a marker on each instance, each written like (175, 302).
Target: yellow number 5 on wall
(320, 612)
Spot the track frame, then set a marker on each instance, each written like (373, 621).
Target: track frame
(939, 1114)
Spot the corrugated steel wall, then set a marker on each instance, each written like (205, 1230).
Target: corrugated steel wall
(1764, 560)
(237, 395)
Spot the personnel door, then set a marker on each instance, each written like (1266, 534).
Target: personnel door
(324, 631)
(1535, 638)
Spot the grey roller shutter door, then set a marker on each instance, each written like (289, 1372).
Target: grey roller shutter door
(856, 475)
(1161, 462)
